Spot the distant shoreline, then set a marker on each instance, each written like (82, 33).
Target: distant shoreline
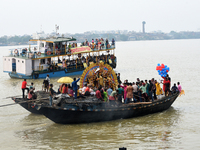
(121, 36)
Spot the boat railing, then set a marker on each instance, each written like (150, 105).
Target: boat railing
(33, 52)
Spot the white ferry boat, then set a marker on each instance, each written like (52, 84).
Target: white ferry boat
(57, 57)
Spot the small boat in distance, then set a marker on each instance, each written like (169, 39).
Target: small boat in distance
(58, 57)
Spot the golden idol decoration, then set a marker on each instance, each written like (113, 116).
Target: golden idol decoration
(99, 74)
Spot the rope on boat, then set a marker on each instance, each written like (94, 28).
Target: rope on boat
(12, 96)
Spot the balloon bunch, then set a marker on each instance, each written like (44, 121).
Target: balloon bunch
(162, 70)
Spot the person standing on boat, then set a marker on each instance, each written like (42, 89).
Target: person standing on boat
(98, 94)
(113, 97)
(113, 42)
(179, 87)
(120, 93)
(109, 91)
(158, 89)
(129, 94)
(154, 88)
(135, 91)
(24, 84)
(107, 43)
(151, 90)
(118, 78)
(48, 83)
(75, 87)
(51, 93)
(125, 92)
(167, 88)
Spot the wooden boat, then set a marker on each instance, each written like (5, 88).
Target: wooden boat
(74, 112)
(57, 57)
(29, 105)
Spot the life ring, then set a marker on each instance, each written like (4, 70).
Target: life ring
(108, 45)
(58, 52)
(36, 76)
(16, 51)
(48, 52)
(39, 53)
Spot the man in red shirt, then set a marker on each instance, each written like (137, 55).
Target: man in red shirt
(98, 94)
(24, 84)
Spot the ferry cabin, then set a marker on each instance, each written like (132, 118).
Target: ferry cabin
(57, 57)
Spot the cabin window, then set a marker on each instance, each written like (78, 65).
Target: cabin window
(22, 61)
(42, 61)
(41, 44)
(8, 59)
(5, 59)
(18, 60)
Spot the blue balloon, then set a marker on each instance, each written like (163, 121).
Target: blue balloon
(159, 71)
(158, 64)
(165, 66)
(164, 75)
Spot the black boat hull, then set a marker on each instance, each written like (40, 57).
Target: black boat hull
(73, 116)
(29, 106)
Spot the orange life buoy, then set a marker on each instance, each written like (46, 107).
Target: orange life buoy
(48, 52)
(16, 51)
(39, 53)
(108, 45)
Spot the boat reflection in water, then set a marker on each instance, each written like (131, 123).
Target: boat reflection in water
(40, 133)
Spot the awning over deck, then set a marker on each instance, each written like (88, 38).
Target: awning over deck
(55, 40)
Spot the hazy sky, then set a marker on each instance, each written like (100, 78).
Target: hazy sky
(19, 17)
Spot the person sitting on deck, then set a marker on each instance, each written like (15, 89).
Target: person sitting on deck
(70, 91)
(83, 89)
(65, 89)
(87, 90)
(31, 86)
(31, 94)
(174, 88)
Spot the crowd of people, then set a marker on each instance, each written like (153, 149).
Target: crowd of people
(139, 91)
(97, 44)
(126, 92)
(78, 63)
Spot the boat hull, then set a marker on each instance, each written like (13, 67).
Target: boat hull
(29, 106)
(75, 116)
(43, 75)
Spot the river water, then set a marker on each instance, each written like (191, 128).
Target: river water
(176, 128)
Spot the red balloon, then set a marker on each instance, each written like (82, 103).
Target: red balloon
(157, 68)
(167, 70)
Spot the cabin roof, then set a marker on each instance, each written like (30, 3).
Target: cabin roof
(55, 40)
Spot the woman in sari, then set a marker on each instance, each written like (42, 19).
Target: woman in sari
(158, 89)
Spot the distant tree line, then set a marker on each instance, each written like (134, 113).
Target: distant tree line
(14, 40)
(129, 36)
